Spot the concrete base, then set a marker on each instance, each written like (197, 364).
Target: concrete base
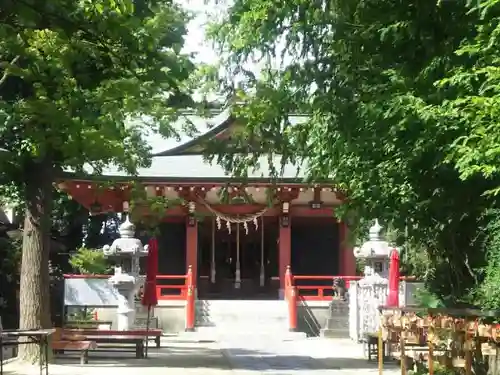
(248, 317)
(281, 294)
(171, 316)
(189, 330)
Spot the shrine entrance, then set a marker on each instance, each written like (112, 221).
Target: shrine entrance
(238, 260)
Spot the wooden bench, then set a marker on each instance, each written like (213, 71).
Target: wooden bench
(82, 347)
(137, 341)
(370, 344)
(152, 334)
(88, 324)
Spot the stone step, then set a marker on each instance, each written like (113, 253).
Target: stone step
(219, 318)
(242, 322)
(334, 333)
(339, 307)
(242, 317)
(337, 323)
(238, 323)
(249, 307)
(206, 334)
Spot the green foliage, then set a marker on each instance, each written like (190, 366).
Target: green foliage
(396, 96)
(80, 315)
(425, 298)
(10, 253)
(156, 207)
(475, 96)
(75, 74)
(438, 370)
(89, 262)
(488, 292)
(81, 82)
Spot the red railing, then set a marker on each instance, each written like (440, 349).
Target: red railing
(323, 290)
(176, 290)
(184, 291)
(166, 292)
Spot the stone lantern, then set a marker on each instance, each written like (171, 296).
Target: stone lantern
(371, 291)
(376, 252)
(127, 250)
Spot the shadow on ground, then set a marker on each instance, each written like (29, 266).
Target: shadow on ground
(213, 358)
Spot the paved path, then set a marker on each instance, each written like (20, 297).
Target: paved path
(230, 356)
(310, 356)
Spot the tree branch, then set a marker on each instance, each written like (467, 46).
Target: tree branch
(6, 72)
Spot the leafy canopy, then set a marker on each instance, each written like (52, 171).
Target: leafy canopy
(80, 84)
(395, 93)
(75, 74)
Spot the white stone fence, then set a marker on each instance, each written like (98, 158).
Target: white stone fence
(366, 297)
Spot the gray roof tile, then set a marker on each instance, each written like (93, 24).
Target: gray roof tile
(194, 166)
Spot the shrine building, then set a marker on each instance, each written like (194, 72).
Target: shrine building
(238, 237)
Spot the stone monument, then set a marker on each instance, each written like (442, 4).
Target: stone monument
(126, 250)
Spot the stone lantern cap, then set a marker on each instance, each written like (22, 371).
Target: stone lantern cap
(375, 247)
(127, 244)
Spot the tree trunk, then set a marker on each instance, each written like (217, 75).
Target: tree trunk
(34, 298)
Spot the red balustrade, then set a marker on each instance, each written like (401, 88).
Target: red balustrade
(324, 292)
(169, 292)
(184, 291)
(323, 289)
(176, 290)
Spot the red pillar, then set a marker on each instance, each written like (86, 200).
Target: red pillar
(285, 248)
(347, 260)
(192, 247)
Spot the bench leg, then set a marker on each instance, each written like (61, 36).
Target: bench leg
(84, 357)
(158, 341)
(367, 349)
(139, 350)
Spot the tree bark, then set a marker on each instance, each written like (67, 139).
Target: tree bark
(34, 293)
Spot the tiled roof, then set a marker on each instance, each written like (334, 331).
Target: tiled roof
(194, 167)
(170, 160)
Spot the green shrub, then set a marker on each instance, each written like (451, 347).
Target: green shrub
(89, 262)
(488, 291)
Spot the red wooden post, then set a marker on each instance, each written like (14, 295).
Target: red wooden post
(288, 276)
(291, 295)
(284, 248)
(190, 311)
(292, 307)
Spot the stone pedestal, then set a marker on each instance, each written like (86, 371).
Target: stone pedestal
(125, 285)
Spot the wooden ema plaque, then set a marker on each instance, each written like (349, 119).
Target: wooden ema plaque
(434, 339)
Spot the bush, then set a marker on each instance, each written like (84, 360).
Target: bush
(89, 262)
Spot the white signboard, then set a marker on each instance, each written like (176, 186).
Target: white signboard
(90, 292)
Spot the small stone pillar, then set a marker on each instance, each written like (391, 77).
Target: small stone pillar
(127, 250)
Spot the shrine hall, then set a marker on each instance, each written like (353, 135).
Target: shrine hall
(238, 238)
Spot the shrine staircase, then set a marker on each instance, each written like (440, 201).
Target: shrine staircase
(337, 323)
(216, 319)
